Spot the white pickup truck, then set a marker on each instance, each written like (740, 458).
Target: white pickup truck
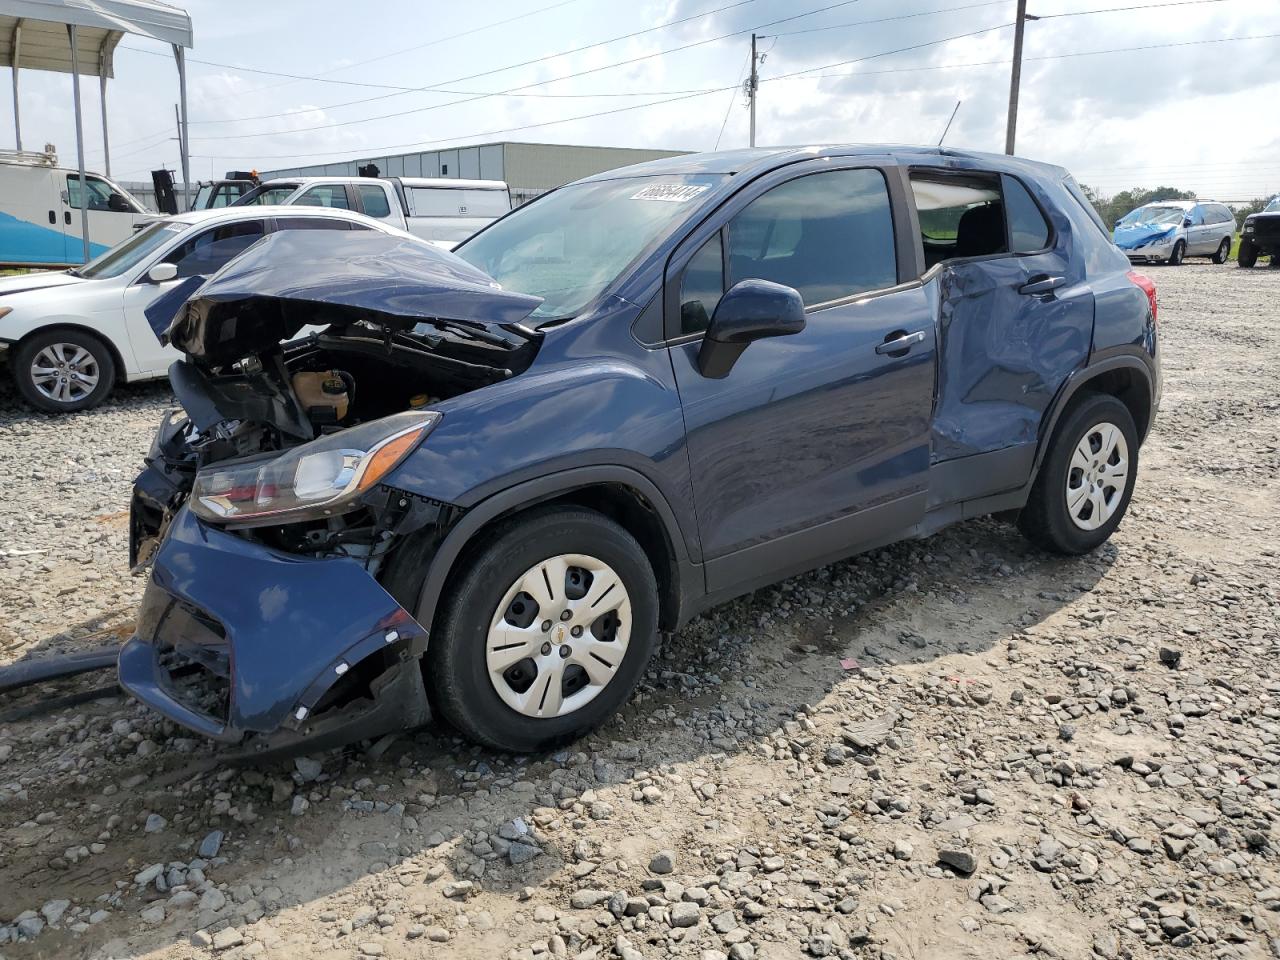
(444, 211)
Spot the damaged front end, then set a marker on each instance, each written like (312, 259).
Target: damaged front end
(277, 551)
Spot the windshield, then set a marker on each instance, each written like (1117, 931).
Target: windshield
(1273, 206)
(129, 252)
(202, 197)
(1154, 215)
(267, 195)
(570, 245)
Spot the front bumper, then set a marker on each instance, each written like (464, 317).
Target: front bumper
(1150, 253)
(248, 645)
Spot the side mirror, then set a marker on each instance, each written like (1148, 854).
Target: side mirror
(118, 204)
(750, 310)
(1186, 221)
(163, 272)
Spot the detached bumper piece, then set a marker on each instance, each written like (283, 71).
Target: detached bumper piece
(271, 651)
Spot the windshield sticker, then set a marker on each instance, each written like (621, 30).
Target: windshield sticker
(670, 192)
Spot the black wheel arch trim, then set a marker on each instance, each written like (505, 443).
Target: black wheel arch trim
(1081, 379)
(686, 575)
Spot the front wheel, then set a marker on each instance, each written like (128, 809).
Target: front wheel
(1224, 250)
(1247, 255)
(62, 371)
(1085, 483)
(1178, 252)
(546, 632)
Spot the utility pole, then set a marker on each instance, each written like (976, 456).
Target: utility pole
(1011, 130)
(753, 86)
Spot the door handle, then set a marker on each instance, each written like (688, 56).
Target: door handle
(1042, 284)
(53, 217)
(66, 216)
(899, 342)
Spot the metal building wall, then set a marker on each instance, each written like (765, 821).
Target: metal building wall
(528, 168)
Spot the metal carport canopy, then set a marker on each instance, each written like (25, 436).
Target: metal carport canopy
(80, 36)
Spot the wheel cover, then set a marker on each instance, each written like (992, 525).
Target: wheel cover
(1097, 476)
(65, 372)
(559, 636)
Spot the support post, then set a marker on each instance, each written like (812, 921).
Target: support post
(102, 90)
(753, 86)
(17, 112)
(84, 182)
(1015, 79)
(184, 139)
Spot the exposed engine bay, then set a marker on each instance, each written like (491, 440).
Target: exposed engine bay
(324, 384)
(390, 327)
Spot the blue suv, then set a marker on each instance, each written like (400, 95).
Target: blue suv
(478, 485)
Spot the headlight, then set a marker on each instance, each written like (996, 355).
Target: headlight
(315, 479)
(1248, 226)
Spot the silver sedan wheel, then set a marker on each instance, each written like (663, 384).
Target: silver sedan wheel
(65, 372)
(559, 636)
(1098, 476)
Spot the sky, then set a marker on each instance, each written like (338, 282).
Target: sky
(1194, 115)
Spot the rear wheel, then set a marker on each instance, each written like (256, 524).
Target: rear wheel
(63, 370)
(1223, 251)
(1085, 483)
(546, 633)
(1176, 255)
(1247, 255)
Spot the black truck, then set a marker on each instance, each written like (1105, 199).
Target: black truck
(1261, 235)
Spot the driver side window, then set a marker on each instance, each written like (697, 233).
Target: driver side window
(100, 195)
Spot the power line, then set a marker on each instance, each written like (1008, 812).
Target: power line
(400, 90)
(808, 75)
(732, 100)
(372, 151)
(526, 86)
(1147, 6)
(901, 16)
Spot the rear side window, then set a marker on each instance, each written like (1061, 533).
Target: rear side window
(325, 195)
(374, 200)
(828, 235)
(960, 216)
(1028, 230)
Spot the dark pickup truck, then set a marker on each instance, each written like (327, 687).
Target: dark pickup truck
(1261, 235)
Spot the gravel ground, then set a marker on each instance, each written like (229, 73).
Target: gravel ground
(955, 748)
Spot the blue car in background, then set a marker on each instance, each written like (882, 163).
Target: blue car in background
(1166, 231)
(492, 478)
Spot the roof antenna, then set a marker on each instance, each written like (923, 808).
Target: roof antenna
(947, 128)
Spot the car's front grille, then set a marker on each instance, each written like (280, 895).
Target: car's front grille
(1267, 228)
(194, 658)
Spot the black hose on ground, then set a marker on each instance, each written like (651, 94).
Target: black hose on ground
(39, 669)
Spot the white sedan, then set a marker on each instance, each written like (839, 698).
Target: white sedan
(72, 335)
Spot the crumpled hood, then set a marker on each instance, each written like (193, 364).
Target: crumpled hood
(36, 281)
(1132, 235)
(297, 278)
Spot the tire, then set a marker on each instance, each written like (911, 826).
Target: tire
(1047, 519)
(1247, 255)
(509, 707)
(1223, 252)
(90, 369)
(1178, 252)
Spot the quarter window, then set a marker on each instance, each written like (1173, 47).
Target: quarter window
(702, 286)
(1028, 231)
(828, 235)
(374, 200)
(325, 195)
